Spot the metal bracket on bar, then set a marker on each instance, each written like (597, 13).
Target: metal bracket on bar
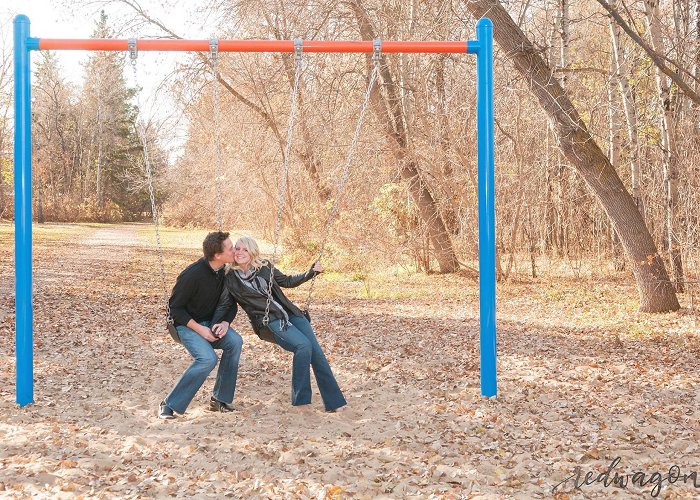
(377, 53)
(214, 48)
(298, 49)
(133, 51)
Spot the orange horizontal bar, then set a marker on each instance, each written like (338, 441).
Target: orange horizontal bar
(252, 45)
(91, 44)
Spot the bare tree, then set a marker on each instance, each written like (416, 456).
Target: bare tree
(6, 81)
(392, 114)
(656, 291)
(621, 76)
(658, 58)
(670, 152)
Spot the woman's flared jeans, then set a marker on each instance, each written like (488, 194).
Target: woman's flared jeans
(299, 339)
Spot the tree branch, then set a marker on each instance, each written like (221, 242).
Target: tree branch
(656, 59)
(267, 118)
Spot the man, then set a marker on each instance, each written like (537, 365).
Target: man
(192, 304)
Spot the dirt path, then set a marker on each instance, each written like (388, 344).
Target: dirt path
(572, 393)
(124, 236)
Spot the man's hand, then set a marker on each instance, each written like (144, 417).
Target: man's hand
(219, 330)
(202, 331)
(318, 267)
(206, 333)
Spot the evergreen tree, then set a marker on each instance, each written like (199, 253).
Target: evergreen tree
(115, 155)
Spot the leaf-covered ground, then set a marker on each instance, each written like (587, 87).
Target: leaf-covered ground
(583, 379)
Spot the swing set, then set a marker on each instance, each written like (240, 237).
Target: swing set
(482, 47)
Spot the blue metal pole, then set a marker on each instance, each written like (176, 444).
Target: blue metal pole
(23, 214)
(487, 212)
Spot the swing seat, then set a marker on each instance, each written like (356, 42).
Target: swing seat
(173, 331)
(264, 333)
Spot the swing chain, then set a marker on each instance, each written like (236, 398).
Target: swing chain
(298, 50)
(141, 130)
(376, 61)
(214, 53)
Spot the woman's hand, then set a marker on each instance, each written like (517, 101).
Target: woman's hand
(318, 267)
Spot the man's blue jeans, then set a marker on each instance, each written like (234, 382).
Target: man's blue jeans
(204, 362)
(299, 338)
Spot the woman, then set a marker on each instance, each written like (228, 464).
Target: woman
(247, 283)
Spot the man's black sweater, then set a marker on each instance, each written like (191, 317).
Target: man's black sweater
(196, 293)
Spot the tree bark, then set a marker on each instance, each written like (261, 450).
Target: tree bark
(655, 289)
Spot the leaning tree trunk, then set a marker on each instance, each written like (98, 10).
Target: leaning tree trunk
(389, 110)
(655, 289)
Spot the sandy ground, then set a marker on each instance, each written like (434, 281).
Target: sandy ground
(574, 394)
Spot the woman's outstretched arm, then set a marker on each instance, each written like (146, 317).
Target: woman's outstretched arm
(295, 280)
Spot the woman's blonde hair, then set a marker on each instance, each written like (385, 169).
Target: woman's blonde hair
(253, 250)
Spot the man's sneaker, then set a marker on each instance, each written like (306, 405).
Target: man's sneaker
(165, 412)
(216, 405)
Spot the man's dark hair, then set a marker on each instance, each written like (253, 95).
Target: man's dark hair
(213, 244)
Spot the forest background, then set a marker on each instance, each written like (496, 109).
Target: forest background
(597, 116)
